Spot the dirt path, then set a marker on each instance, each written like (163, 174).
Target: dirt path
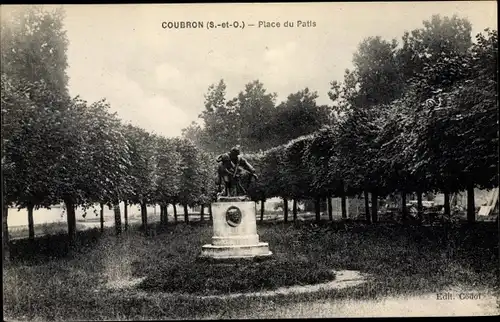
(342, 280)
(414, 306)
(455, 303)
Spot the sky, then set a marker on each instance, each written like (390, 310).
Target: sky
(156, 78)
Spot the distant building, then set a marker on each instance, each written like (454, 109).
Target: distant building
(482, 199)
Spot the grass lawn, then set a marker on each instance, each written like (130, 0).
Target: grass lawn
(45, 283)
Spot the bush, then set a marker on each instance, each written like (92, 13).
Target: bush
(203, 278)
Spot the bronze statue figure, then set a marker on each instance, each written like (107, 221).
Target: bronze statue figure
(230, 172)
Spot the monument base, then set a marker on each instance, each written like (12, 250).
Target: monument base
(235, 251)
(235, 232)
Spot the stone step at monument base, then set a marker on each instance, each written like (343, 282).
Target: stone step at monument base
(235, 251)
(241, 240)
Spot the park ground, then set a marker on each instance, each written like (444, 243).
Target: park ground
(407, 267)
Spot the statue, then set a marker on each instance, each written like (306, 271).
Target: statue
(230, 172)
(234, 215)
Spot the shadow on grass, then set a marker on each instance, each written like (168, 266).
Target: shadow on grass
(50, 247)
(210, 278)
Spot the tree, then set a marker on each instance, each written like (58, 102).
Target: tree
(245, 119)
(108, 157)
(344, 94)
(374, 81)
(358, 148)
(322, 162)
(207, 175)
(196, 134)
(168, 179)
(192, 182)
(377, 73)
(440, 37)
(296, 117)
(297, 171)
(254, 109)
(25, 126)
(220, 130)
(34, 46)
(27, 133)
(14, 103)
(259, 189)
(399, 139)
(142, 169)
(33, 61)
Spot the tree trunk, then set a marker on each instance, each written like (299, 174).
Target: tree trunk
(343, 205)
(404, 209)
(471, 207)
(420, 207)
(70, 209)
(374, 207)
(210, 211)
(447, 210)
(329, 207)
(144, 216)
(317, 209)
(343, 201)
(186, 214)
(367, 207)
(202, 213)
(285, 209)
(165, 214)
(294, 210)
(125, 214)
(118, 218)
(101, 216)
(262, 210)
(31, 224)
(5, 233)
(175, 212)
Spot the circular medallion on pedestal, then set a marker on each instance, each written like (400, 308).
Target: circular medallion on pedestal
(233, 216)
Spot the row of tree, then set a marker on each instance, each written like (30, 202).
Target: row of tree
(57, 149)
(431, 127)
(415, 116)
(61, 150)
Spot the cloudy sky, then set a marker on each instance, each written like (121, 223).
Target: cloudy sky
(156, 78)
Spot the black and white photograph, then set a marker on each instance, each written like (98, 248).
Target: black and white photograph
(213, 161)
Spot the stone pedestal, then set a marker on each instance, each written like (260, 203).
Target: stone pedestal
(235, 232)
